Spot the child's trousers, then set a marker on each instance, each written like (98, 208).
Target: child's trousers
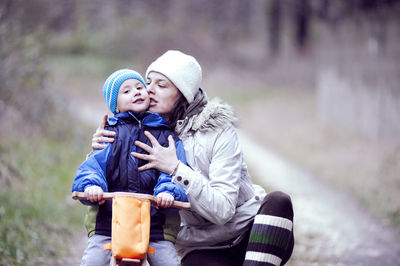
(95, 255)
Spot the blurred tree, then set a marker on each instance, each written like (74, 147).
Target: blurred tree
(358, 66)
(274, 12)
(23, 90)
(223, 16)
(301, 19)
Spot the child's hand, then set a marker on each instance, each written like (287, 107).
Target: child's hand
(165, 200)
(94, 194)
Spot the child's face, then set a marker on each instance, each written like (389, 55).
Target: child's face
(132, 96)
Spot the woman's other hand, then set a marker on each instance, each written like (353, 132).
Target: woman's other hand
(94, 194)
(165, 200)
(162, 158)
(102, 136)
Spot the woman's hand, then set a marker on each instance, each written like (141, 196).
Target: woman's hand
(102, 135)
(162, 158)
(94, 194)
(165, 200)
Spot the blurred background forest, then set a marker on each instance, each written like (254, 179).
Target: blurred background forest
(317, 81)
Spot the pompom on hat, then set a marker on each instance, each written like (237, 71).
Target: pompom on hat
(114, 81)
(182, 69)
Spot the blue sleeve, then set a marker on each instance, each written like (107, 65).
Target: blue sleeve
(165, 183)
(180, 152)
(92, 172)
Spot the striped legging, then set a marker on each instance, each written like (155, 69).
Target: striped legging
(269, 240)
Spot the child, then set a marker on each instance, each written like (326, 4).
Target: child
(114, 169)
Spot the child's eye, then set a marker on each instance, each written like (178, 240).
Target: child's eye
(139, 88)
(126, 91)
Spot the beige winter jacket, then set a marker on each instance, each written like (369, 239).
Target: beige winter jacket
(223, 199)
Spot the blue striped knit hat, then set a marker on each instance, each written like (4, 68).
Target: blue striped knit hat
(114, 81)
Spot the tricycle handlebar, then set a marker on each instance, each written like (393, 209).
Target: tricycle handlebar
(110, 195)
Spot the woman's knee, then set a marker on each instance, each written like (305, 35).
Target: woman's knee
(277, 203)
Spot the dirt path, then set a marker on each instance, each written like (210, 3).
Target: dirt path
(330, 227)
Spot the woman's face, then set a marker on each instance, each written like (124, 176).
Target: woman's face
(163, 93)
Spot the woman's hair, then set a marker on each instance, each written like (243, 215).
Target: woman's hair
(178, 112)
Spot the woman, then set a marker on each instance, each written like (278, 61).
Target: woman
(231, 221)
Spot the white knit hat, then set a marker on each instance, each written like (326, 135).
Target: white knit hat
(182, 69)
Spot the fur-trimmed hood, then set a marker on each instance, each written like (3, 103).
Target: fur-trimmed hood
(216, 114)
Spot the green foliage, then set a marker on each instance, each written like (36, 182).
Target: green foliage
(37, 214)
(39, 153)
(22, 74)
(24, 238)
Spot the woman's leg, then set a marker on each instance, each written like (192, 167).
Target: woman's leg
(271, 239)
(233, 256)
(94, 254)
(165, 254)
(209, 257)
